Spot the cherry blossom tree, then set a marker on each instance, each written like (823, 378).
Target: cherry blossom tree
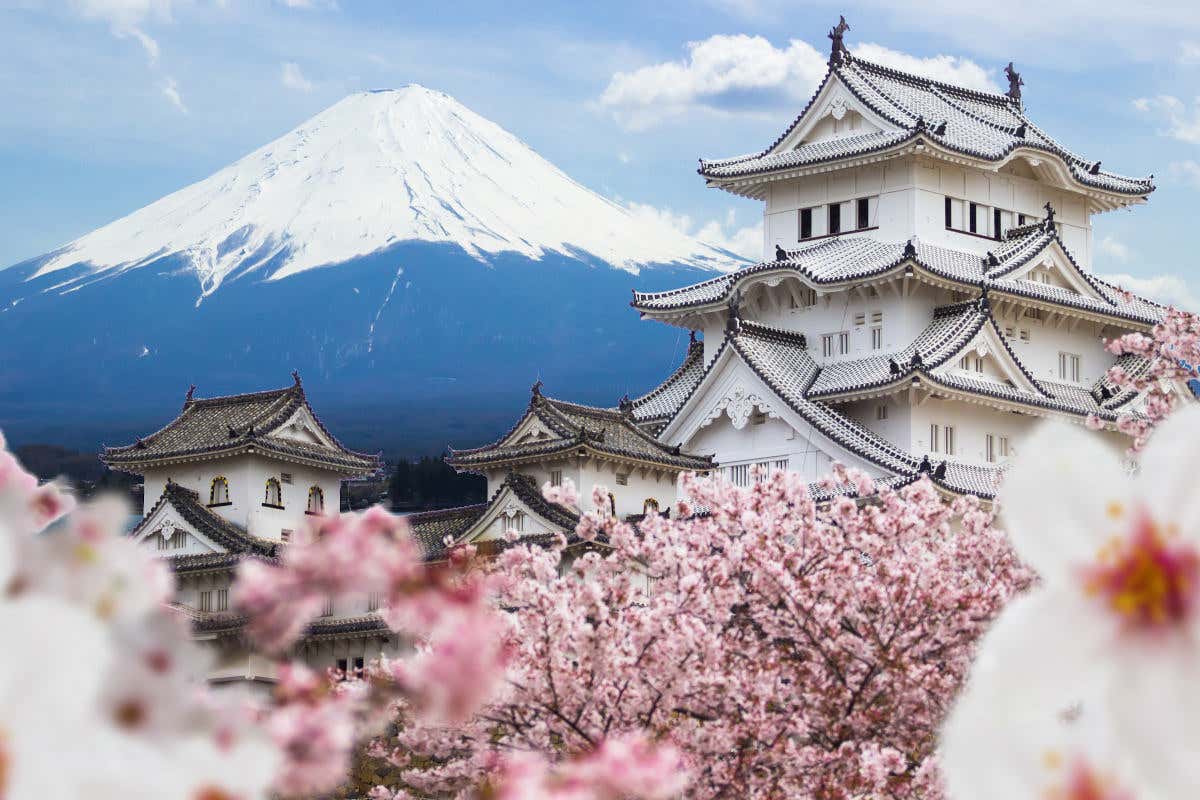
(783, 647)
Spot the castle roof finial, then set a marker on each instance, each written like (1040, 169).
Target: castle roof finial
(535, 391)
(837, 51)
(1014, 83)
(1049, 217)
(734, 322)
(191, 394)
(296, 376)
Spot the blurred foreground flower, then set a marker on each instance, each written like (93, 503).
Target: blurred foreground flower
(1087, 687)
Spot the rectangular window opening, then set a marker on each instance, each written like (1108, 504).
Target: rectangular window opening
(864, 213)
(997, 227)
(806, 223)
(835, 218)
(972, 220)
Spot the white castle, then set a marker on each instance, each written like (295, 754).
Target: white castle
(926, 297)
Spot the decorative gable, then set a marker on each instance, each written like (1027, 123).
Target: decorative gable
(301, 427)
(1054, 267)
(834, 114)
(167, 533)
(987, 357)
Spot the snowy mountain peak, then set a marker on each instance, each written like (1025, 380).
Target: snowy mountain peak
(375, 169)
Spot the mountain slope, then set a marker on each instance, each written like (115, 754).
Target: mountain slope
(457, 267)
(375, 169)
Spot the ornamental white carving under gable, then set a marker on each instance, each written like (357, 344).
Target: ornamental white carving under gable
(739, 404)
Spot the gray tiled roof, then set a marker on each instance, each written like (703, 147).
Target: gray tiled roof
(228, 535)
(850, 258)
(220, 426)
(662, 401)
(575, 426)
(952, 329)
(984, 125)
(434, 529)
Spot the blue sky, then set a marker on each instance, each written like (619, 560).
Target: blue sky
(110, 104)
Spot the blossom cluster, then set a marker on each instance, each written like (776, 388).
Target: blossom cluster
(780, 645)
(101, 685)
(1172, 358)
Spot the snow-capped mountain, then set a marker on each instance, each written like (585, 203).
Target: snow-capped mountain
(378, 168)
(418, 264)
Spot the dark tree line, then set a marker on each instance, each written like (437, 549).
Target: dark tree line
(429, 483)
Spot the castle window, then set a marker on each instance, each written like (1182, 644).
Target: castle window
(1068, 367)
(876, 338)
(373, 599)
(222, 599)
(997, 224)
(835, 218)
(327, 609)
(218, 492)
(973, 218)
(316, 501)
(881, 412)
(285, 477)
(622, 479)
(515, 523)
(274, 495)
(941, 439)
(1024, 334)
(206, 600)
(359, 666)
(781, 464)
(808, 297)
(860, 318)
(556, 477)
(997, 447)
(827, 345)
(843, 342)
(864, 213)
(342, 665)
(806, 229)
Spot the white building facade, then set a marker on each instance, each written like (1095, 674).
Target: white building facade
(926, 294)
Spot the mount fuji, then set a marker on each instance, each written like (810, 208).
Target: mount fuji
(418, 264)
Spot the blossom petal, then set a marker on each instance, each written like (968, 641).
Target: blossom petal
(1036, 664)
(1156, 706)
(1057, 498)
(1169, 466)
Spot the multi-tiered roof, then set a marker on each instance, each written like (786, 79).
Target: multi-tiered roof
(921, 114)
(219, 427)
(569, 429)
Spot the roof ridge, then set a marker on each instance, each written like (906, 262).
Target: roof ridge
(695, 352)
(230, 399)
(997, 97)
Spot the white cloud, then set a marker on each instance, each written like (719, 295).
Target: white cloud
(1187, 171)
(1189, 53)
(624, 157)
(170, 90)
(1180, 121)
(727, 73)
(1114, 248)
(746, 242)
(293, 78)
(1167, 289)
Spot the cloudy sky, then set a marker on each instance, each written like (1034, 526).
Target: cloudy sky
(110, 104)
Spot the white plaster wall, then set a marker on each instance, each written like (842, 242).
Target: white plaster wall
(903, 319)
(772, 440)
(971, 424)
(897, 428)
(1040, 353)
(630, 499)
(911, 203)
(268, 523)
